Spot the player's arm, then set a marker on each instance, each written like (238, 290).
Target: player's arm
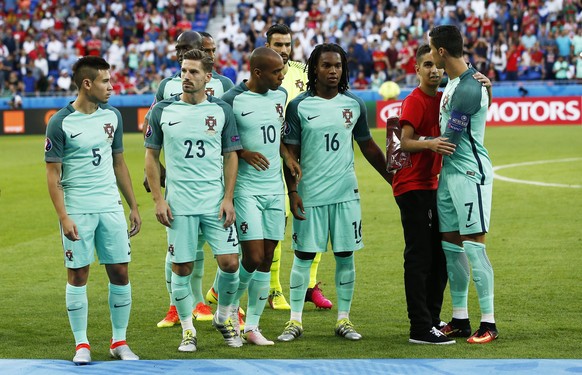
(486, 82)
(255, 159)
(295, 200)
(411, 142)
(152, 168)
(230, 172)
(53, 179)
(290, 162)
(375, 156)
(124, 183)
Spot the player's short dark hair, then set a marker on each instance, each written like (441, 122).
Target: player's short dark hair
(204, 34)
(198, 55)
(88, 67)
(278, 28)
(448, 37)
(422, 50)
(314, 60)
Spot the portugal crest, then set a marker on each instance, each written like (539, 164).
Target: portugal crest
(244, 227)
(209, 91)
(211, 123)
(69, 255)
(300, 85)
(108, 128)
(171, 249)
(348, 115)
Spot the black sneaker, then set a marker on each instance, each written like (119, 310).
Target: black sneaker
(457, 328)
(432, 337)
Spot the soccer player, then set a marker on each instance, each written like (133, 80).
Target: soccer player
(197, 132)
(326, 202)
(84, 168)
(465, 187)
(295, 82)
(169, 87)
(414, 188)
(259, 195)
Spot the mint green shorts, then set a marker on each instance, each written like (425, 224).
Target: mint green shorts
(340, 223)
(462, 204)
(260, 217)
(183, 237)
(105, 233)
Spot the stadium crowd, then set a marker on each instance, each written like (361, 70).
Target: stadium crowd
(505, 39)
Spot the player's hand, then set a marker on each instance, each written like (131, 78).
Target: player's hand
(227, 211)
(135, 222)
(70, 229)
(486, 82)
(441, 146)
(294, 168)
(146, 184)
(296, 205)
(164, 213)
(255, 159)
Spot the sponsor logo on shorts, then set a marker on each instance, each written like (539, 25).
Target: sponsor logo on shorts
(244, 227)
(69, 255)
(294, 237)
(171, 249)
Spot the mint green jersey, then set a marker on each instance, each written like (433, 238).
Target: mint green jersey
(324, 129)
(193, 137)
(85, 144)
(259, 118)
(465, 102)
(218, 85)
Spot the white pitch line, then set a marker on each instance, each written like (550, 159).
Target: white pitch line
(537, 183)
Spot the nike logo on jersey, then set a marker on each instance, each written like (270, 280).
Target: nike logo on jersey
(76, 135)
(245, 114)
(346, 283)
(470, 225)
(118, 306)
(312, 117)
(183, 298)
(173, 123)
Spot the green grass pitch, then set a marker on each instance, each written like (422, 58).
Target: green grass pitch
(534, 246)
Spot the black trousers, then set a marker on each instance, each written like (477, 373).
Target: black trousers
(425, 269)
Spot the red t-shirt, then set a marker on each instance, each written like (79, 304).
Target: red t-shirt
(421, 111)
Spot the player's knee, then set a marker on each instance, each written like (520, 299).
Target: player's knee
(304, 256)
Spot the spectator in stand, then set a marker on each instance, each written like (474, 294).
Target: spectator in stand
(550, 59)
(564, 44)
(64, 82)
(407, 61)
(377, 79)
(529, 38)
(513, 56)
(29, 82)
(360, 83)
(54, 49)
(560, 68)
(498, 62)
(229, 70)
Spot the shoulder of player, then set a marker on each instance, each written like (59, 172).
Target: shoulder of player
(301, 97)
(109, 107)
(350, 95)
(297, 65)
(468, 92)
(226, 82)
(213, 100)
(58, 118)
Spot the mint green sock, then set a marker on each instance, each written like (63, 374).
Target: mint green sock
(298, 283)
(482, 274)
(345, 279)
(258, 294)
(196, 281)
(77, 309)
(215, 282)
(168, 274)
(227, 288)
(459, 272)
(119, 308)
(182, 294)
(244, 280)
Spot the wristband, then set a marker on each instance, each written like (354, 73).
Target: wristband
(291, 191)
